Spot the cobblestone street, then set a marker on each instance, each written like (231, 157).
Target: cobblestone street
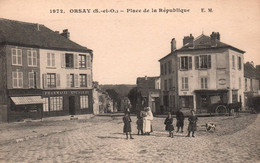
(100, 139)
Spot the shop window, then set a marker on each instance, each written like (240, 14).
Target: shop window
(203, 62)
(32, 57)
(185, 83)
(82, 61)
(17, 79)
(16, 56)
(83, 80)
(56, 103)
(51, 59)
(83, 102)
(46, 105)
(69, 60)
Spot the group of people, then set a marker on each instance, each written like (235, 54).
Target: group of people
(144, 125)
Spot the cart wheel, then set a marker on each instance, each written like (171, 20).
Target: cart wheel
(221, 110)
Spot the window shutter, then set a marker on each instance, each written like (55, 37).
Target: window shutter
(76, 80)
(196, 62)
(190, 62)
(58, 80)
(89, 81)
(14, 79)
(30, 78)
(62, 60)
(209, 61)
(68, 80)
(44, 80)
(76, 62)
(53, 59)
(88, 61)
(20, 79)
(179, 63)
(48, 59)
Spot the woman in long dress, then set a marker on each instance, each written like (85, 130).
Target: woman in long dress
(147, 121)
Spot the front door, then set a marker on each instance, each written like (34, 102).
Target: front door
(72, 105)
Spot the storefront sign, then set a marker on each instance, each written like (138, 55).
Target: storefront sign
(65, 92)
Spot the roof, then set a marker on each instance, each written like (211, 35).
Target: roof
(204, 42)
(146, 84)
(27, 34)
(250, 71)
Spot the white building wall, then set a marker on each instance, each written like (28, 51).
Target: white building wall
(61, 70)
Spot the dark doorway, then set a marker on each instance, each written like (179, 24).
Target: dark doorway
(72, 105)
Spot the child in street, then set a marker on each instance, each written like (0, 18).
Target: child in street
(127, 125)
(139, 123)
(169, 124)
(192, 123)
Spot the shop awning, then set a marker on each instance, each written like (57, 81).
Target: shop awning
(27, 100)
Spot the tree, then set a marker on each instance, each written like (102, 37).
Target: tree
(114, 96)
(135, 97)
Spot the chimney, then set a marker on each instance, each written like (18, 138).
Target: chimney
(145, 77)
(215, 36)
(173, 45)
(65, 33)
(252, 63)
(57, 32)
(188, 39)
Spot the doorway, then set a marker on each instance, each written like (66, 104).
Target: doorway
(72, 105)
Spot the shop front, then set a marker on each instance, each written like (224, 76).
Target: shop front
(67, 102)
(24, 104)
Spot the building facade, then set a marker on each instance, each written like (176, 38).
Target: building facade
(207, 72)
(44, 73)
(150, 91)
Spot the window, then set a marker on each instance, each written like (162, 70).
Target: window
(185, 85)
(170, 84)
(233, 61)
(71, 80)
(88, 61)
(185, 63)
(32, 57)
(245, 84)
(204, 83)
(83, 80)
(16, 56)
(51, 59)
(69, 60)
(46, 105)
(32, 79)
(203, 62)
(165, 85)
(239, 63)
(162, 69)
(51, 80)
(239, 83)
(17, 79)
(56, 103)
(82, 61)
(170, 66)
(83, 102)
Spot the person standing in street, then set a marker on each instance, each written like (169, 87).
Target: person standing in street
(169, 124)
(147, 121)
(139, 124)
(180, 120)
(127, 125)
(192, 124)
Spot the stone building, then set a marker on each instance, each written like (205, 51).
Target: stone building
(204, 71)
(44, 73)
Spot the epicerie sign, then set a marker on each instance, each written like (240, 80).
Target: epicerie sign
(47, 93)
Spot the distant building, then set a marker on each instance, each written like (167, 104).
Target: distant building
(252, 77)
(44, 73)
(150, 90)
(202, 72)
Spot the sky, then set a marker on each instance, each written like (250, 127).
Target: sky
(127, 45)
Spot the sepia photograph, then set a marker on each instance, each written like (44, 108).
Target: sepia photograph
(129, 81)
